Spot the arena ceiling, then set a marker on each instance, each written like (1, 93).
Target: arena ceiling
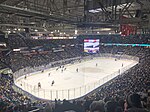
(68, 15)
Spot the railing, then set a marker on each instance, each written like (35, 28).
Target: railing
(71, 93)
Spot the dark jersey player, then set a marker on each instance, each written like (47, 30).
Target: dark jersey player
(52, 83)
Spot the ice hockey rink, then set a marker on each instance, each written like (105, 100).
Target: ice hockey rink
(72, 83)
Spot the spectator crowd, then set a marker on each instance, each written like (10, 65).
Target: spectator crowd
(129, 92)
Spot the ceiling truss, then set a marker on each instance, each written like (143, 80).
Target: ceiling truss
(53, 14)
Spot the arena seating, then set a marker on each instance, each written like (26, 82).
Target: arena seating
(130, 88)
(132, 39)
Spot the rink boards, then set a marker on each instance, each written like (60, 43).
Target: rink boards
(70, 83)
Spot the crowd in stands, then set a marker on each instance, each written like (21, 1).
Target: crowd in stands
(131, 39)
(129, 92)
(9, 99)
(132, 88)
(40, 52)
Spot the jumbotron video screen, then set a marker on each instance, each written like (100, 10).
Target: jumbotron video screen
(91, 45)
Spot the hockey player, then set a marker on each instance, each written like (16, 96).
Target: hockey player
(77, 70)
(39, 85)
(96, 64)
(49, 74)
(52, 83)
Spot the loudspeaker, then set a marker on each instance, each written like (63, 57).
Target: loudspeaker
(138, 13)
(27, 30)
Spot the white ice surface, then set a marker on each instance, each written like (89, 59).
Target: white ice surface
(71, 84)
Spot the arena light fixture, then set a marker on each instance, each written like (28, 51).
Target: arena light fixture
(9, 32)
(45, 29)
(76, 32)
(105, 29)
(93, 11)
